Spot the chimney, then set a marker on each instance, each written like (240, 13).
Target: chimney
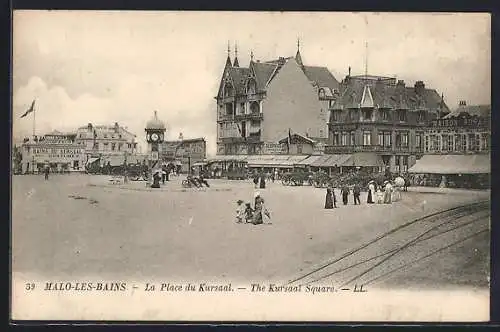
(89, 127)
(401, 83)
(462, 103)
(419, 87)
(349, 71)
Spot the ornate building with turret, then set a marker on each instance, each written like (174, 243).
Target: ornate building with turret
(260, 104)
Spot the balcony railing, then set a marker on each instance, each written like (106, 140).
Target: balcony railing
(249, 116)
(239, 139)
(336, 149)
(401, 148)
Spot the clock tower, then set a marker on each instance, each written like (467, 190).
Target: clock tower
(155, 135)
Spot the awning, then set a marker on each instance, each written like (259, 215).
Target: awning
(333, 160)
(308, 161)
(321, 160)
(364, 159)
(280, 161)
(221, 158)
(92, 160)
(200, 163)
(114, 160)
(453, 164)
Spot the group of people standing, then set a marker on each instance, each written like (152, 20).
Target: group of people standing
(256, 215)
(376, 194)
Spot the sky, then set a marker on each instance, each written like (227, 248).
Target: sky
(106, 67)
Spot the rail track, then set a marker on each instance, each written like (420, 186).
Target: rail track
(401, 247)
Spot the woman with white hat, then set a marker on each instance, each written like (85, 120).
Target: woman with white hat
(371, 192)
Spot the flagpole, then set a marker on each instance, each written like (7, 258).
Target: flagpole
(34, 131)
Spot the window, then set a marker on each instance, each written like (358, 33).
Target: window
(421, 116)
(433, 143)
(336, 115)
(229, 109)
(384, 114)
(418, 141)
(367, 114)
(105, 135)
(485, 141)
(120, 146)
(404, 139)
(321, 93)
(402, 115)
(242, 108)
(113, 146)
(381, 138)
(387, 139)
(367, 138)
(427, 144)
(353, 141)
(251, 87)
(96, 146)
(405, 163)
(473, 142)
(344, 138)
(398, 139)
(336, 138)
(75, 164)
(228, 90)
(254, 107)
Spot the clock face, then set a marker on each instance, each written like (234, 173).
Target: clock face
(154, 137)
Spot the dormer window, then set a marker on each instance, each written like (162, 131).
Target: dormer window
(228, 90)
(321, 93)
(384, 114)
(421, 116)
(367, 114)
(251, 86)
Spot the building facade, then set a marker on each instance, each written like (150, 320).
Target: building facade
(103, 141)
(457, 149)
(259, 104)
(57, 150)
(383, 117)
(466, 130)
(185, 151)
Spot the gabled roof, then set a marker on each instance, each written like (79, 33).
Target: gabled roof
(471, 110)
(262, 72)
(297, 138)
(321, 76)
(393, 96)
(367, 99)
(239, 76)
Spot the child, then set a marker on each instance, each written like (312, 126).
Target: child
(380, 196)
(240, 212)
(248, 214)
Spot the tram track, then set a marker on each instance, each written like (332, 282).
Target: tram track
(429, 227)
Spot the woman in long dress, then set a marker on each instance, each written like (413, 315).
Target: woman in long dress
(260, 211)
(388, 193)
(371, 193)
(329, 199)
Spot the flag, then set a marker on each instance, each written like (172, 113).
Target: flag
(31, 109)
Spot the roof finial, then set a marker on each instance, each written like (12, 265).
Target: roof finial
(251, 55)
(156, 114)
(298, 57)
(298, 44)
(236, 63)
(228, 48)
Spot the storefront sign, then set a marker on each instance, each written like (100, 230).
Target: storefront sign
(274, 148)
(461, 122)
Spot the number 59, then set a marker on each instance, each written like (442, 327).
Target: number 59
(30, 286)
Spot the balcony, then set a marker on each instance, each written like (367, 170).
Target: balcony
(345, 149)
(239, 139)
(400, 148)
(249, 116)
(225, 117)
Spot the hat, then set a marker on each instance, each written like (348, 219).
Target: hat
(257, 194)
(239, 201)
(385, 182)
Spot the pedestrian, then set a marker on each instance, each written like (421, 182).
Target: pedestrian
(248, 213)
(262, 182)
(345, 194)
(240, 211)
(46, 172)
(329, 199)
(257, 215)
(371, 192)
(163, 173)
(256, 181)
(388, 192)
(356, 191)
